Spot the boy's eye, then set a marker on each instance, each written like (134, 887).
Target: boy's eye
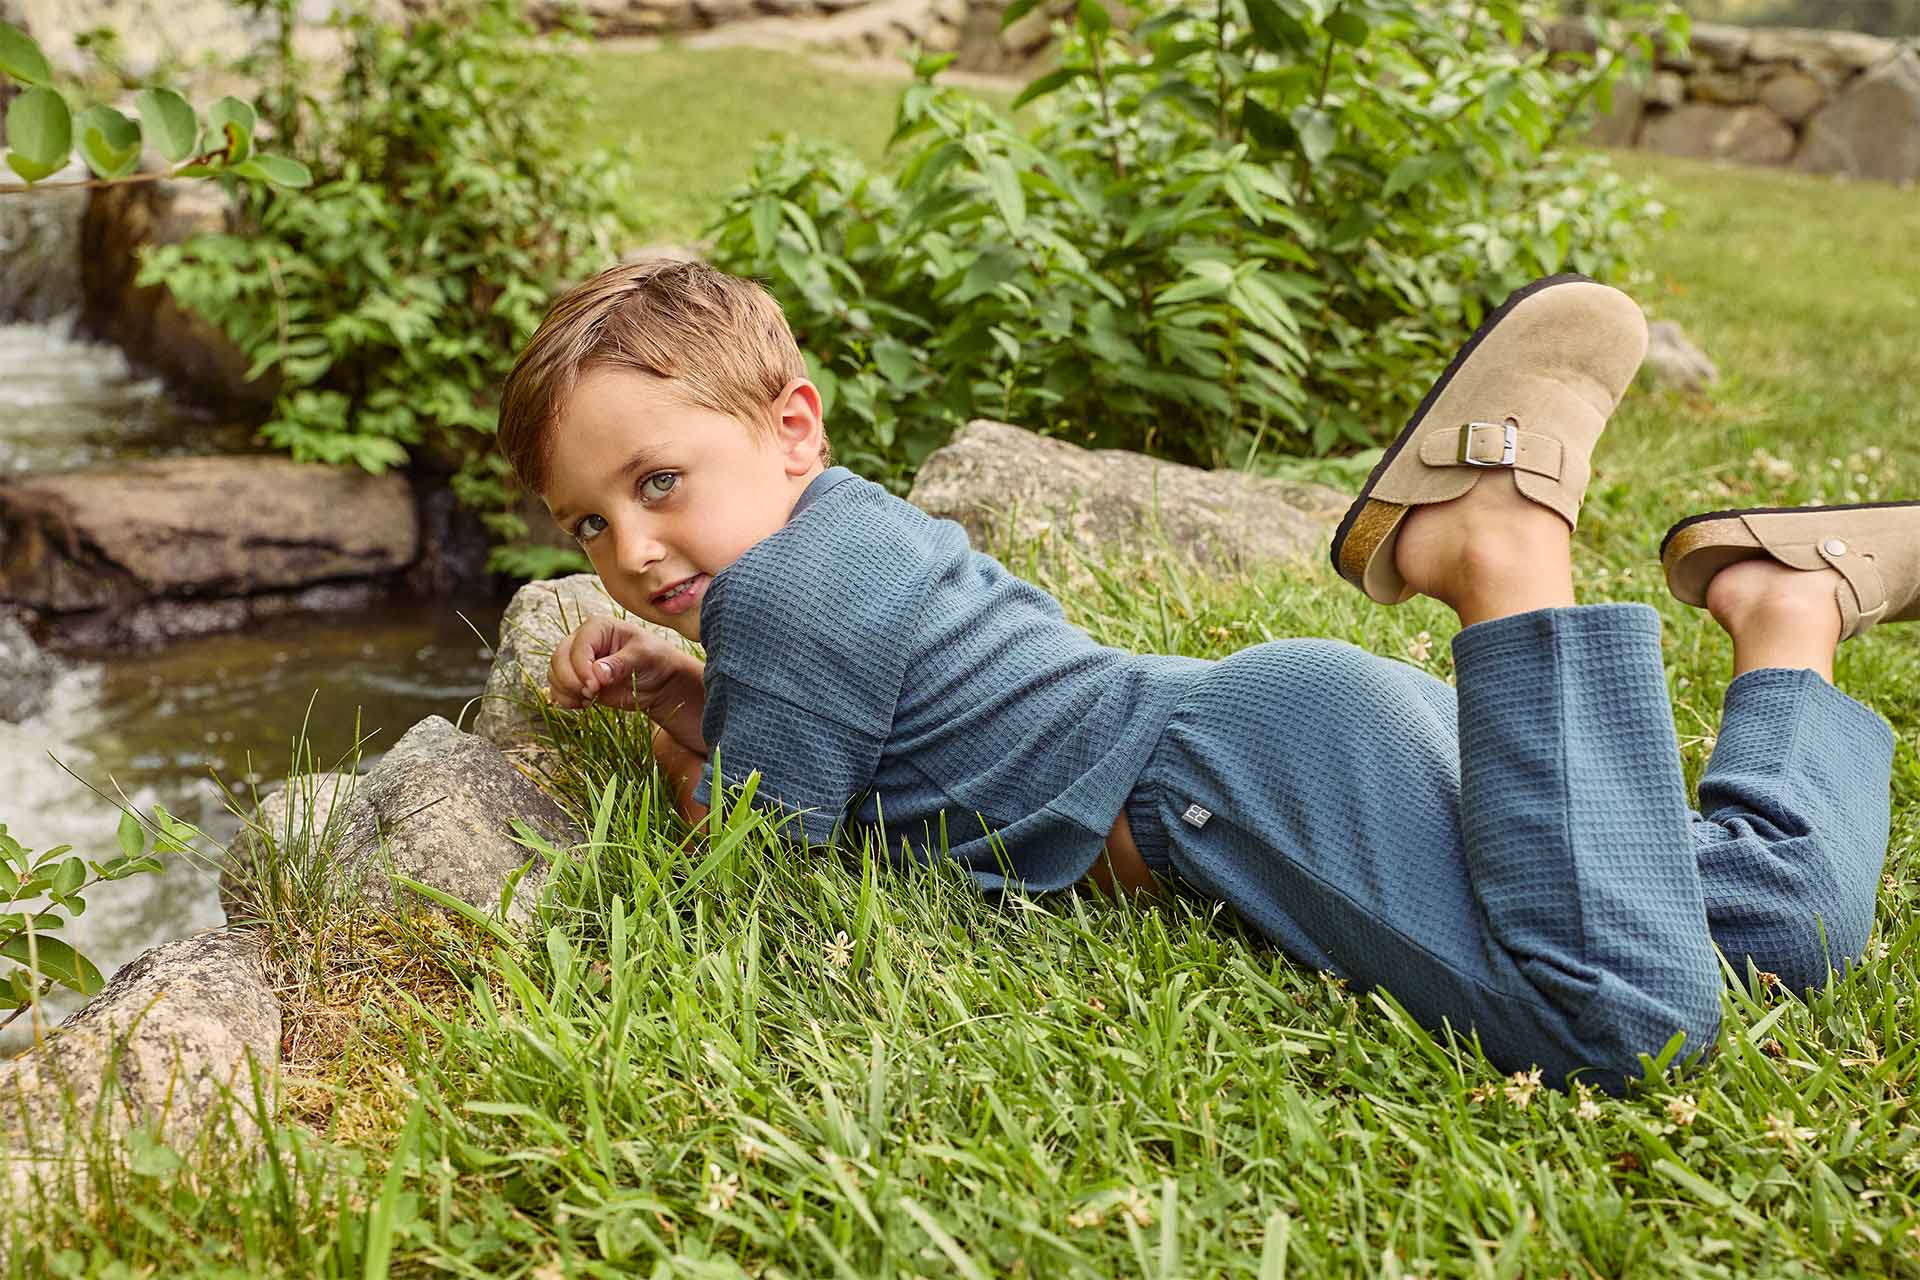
(583, 530)
(659, 484)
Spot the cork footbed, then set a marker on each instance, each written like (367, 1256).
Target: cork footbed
(1362, 547)
(1879, 571)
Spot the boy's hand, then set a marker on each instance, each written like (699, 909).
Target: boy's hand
(617, 663)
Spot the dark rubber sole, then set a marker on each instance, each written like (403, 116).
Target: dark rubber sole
(1487, 325)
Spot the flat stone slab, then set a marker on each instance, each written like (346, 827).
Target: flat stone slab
(115, 536)
(438, 808)
(1003, 482)
(167, 1043)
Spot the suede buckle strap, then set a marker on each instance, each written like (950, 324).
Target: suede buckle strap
(1492, 444)
(1861, 574)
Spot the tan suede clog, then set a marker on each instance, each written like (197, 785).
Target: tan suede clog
(1531, 391)
(1875, 547)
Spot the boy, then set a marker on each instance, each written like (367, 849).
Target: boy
(1516, 857)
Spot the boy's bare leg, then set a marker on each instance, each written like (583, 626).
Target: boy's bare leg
(1777, 616)
(1488, 554)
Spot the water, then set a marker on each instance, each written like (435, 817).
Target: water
(158, 727)
(67, 403)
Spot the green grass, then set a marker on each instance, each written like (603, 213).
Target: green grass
(721, 1059)
(692, 118)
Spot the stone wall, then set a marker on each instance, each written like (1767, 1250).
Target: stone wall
(1819, 101)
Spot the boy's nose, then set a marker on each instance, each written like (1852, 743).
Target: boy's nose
(638, 551)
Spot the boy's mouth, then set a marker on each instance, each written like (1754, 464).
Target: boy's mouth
(682, 595)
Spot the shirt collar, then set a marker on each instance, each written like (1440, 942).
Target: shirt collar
(817, 488)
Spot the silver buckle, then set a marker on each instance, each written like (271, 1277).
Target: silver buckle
(1508, 447)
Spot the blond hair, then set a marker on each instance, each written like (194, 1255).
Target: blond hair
(720, 340)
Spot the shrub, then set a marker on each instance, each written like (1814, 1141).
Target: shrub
(1259, 225)
(452, 201)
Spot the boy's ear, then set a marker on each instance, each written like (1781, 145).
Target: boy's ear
(798, 428)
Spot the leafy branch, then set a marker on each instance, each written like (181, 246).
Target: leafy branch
(43, 130)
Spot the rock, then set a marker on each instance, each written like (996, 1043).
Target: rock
(40, 249)
(111, 537)
(1666, 89)
(1750, 135)
(1001, 481)
(540, 615)
(25, 672)
(713, 13)
(1673, 361)
(1830, 55)
(1871, 129)
(1728, 88)
(167, 1043)
(1719, 46)
(1792, 95)
(439, 808)
(196, 359)
(1618, 124)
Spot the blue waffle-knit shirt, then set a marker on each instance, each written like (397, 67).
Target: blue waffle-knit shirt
(879, 672)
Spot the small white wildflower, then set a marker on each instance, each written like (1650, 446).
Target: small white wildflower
(1135, 1206)
(721, 1191)
(750, 1149)
(1683, 1110)
(1421, 647)
(1586, 1108)
(1521, 1086)
(840, 950)
(1784, 1131)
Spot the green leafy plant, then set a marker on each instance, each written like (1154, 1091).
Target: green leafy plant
(451, 203)
(40, 892)
(43, 129)
(1251, 224)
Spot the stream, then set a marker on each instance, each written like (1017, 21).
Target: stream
(185, 725)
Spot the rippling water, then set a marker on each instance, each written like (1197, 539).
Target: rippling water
(159, 727)
(67, 403)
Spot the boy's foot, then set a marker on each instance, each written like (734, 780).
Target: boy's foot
(1528, 396)
(1863, 560)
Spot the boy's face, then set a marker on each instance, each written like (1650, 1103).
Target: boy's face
(663, 495)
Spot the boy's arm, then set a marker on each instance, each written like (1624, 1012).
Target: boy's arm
(682, 768)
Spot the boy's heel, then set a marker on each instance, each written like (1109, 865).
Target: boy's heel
(1530, 392)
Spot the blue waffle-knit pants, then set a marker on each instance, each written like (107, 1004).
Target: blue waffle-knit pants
(1517, 856)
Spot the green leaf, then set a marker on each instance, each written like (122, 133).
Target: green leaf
(929, 65)
(72, 874)
(1016, 11)
(1348, 28)
(109, 142)
(1315, 128)
(40, 131)
(894, 359)
(277, 170)
(131, 836)
(1274, 29)
(1007, 194)
(58, 961)
(765, 215)
(21, 58)
(148, 1157)
(1094, 18)
(171, 126)
(1041, 86)
(232, 120)
(1408, 173)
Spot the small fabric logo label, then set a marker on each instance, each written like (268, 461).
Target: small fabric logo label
(1195, 816)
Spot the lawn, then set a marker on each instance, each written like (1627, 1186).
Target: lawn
(728, 1061)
